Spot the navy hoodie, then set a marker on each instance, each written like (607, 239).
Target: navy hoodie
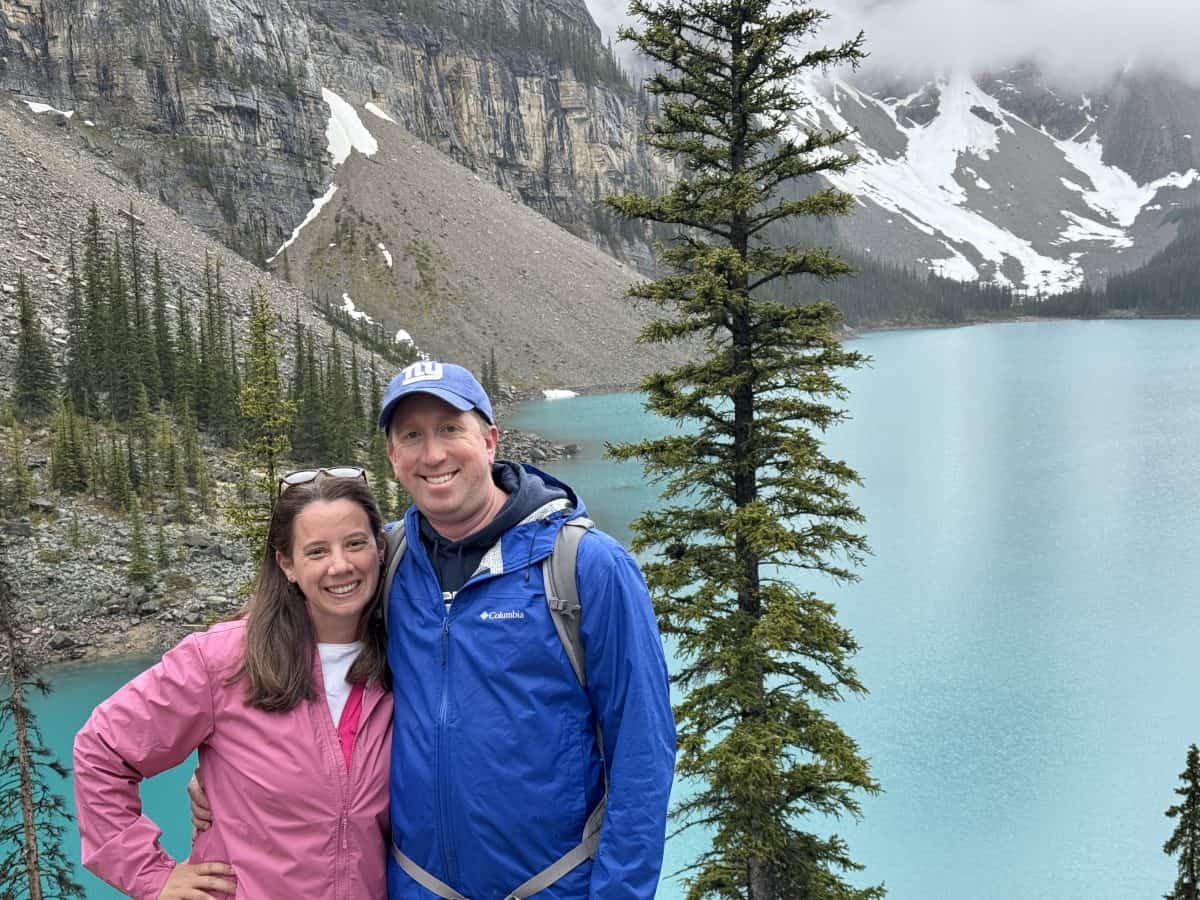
(456, 561)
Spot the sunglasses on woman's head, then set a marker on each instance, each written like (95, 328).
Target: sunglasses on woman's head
(304, 476)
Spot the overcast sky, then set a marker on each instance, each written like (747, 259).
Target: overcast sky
(1083, 40)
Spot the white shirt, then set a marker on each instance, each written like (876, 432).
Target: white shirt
(336, 660)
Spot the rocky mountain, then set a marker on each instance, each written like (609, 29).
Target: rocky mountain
(1010, 179)
(216, 106)
(469, 270)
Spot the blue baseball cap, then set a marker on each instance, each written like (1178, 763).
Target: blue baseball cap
(446, 381)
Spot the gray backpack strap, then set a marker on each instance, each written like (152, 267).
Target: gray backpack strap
(430, 882)
(562, 597)
(585, 849)
(562, 593)
(396, 544)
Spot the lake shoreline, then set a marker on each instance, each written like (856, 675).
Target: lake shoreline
(84, 636)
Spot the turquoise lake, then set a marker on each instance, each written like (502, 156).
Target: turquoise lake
(1028, 618)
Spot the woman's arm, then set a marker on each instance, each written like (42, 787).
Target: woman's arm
(148, 726)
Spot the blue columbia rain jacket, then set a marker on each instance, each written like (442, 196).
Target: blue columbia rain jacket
(494, 759)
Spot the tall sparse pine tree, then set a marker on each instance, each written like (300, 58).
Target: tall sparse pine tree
(141, 317)
(1184, 842)
(753, 508)
(309, 433)
(35, 384)
(79, 373)
(377, 459)
(122, 366)
(187, 364)
(267, 417)
(341, 427)
(95, 314)
(140, 569)
(33, 815)
(164, 343)
(18, 486)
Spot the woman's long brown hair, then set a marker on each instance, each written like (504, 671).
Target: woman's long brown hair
(280, 642)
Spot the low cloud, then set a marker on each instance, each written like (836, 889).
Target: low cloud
(1083, 43)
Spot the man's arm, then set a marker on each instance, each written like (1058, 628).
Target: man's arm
(627, 685)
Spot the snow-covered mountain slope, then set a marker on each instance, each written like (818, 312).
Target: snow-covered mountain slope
(1005, 179)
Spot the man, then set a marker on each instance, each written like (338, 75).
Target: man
(496, 767)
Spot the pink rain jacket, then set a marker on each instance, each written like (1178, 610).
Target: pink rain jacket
(288, 814)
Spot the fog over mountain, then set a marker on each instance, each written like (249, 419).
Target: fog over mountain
(1081, 43)
(1032, 144)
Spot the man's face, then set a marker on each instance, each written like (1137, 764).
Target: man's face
(443, 458)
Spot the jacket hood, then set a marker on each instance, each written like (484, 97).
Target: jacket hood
(524, 527)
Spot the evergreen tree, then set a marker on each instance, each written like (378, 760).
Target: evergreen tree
(69, 470)
(144, 344)
(194, 466)
(35, 383)
(356, 400)
(33, 816)
(170, 464)
(164, 345)
(75, 539)
(235, 381)
(1185, 840)
(142, 432)
(19, 487)
(267, 415)
(187, 363)
(92, 454)
(122, 366)
(749, 493)
(80, 373)
(140, 568)
(162, 559)
(95, 312)
(309, 441)
(118, 480)
(339, 421)
(377, 459)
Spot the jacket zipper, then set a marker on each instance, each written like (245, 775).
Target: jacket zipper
(342, 773)
(443, 760)
(442, 744)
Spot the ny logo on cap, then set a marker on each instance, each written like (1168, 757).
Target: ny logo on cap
(425, 370)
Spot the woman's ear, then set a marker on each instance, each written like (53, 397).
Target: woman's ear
(286, 565)
(381, 543)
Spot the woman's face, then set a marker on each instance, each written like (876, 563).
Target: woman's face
(334, 560)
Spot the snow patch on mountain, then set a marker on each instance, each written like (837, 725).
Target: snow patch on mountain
(46, 108)
(376, 111)
(345, 131)
(1085, 229)
(1114, 193)
(312, 214)
(353, 311)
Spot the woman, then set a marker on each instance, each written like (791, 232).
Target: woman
(289, 708)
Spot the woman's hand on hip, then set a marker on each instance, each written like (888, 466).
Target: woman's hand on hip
(199, 881)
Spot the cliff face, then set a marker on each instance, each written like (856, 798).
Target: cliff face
(216, 105)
